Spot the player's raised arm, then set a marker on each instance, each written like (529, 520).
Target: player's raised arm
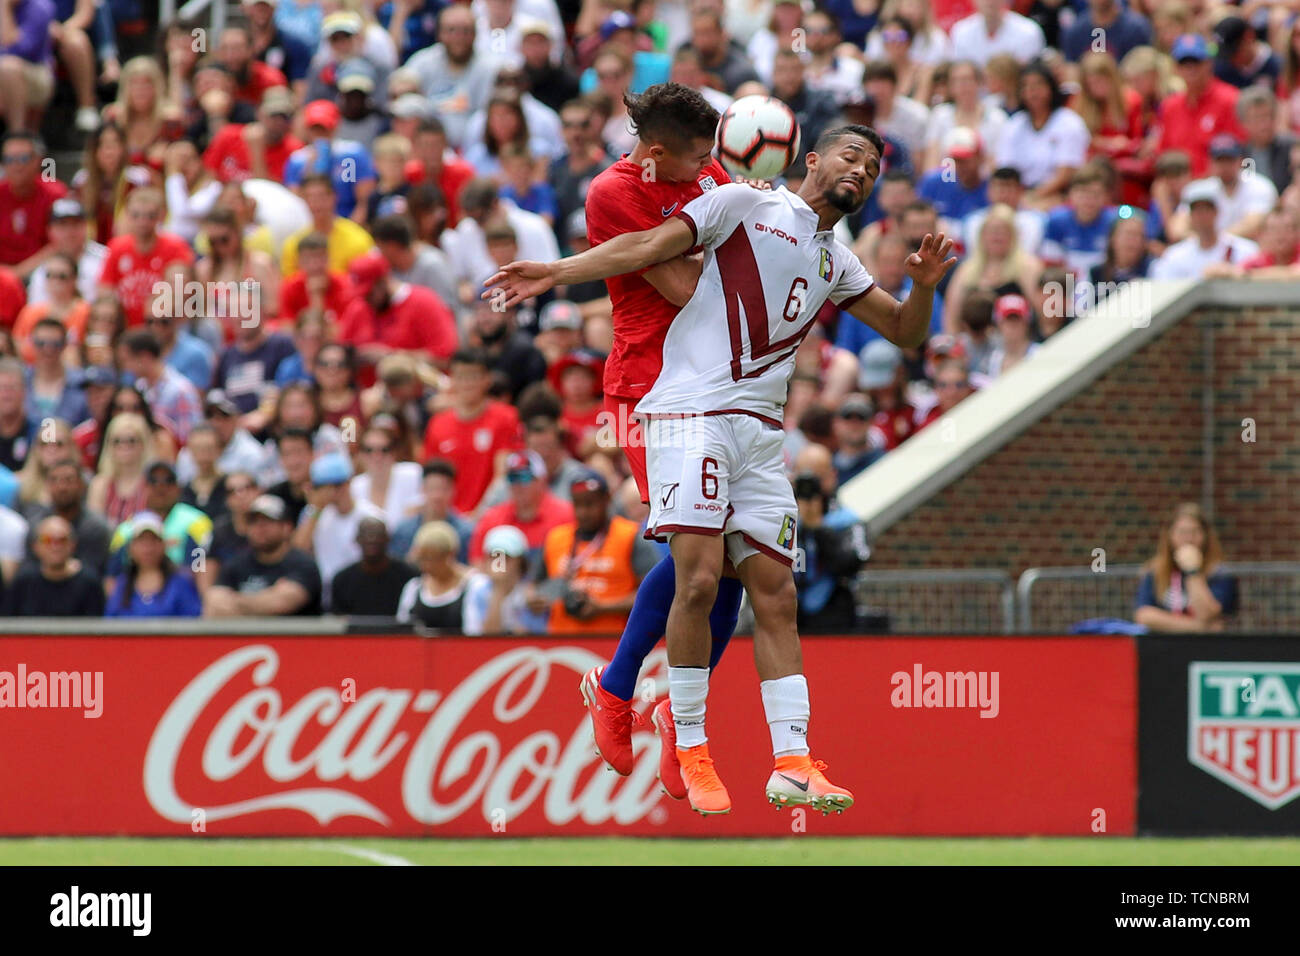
(629, 252)
(907, 324)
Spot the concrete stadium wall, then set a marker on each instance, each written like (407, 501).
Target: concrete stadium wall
(1104, 469)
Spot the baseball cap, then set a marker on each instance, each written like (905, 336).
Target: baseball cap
(533, 25)
(505, 539)
(880, 360)
(277, 101)
(410, 106)
(560, 314)
(268, 506)
(618, 20)
(66, 209)
(146, 521)
(1010, 305)
(331, 469)
(1201, 190)
(589, 480)
(366, 271)
(1190, 46)
(962, 142)
(1230, 31)
(321, 113)
(594, 362)
(218, 399)
(341, 21)
(356, 75)
(1226, 146)
(523, 467)
(98, 375)
(855, 405)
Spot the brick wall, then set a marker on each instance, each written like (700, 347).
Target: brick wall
(1104, 470)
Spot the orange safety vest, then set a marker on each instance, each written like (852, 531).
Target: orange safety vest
(606, 573)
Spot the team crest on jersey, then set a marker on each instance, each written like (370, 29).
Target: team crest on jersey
(786, 538)
(708, 182)
(826, 265)
(482, 439)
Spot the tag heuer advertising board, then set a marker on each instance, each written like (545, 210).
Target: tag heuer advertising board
(1219, 738)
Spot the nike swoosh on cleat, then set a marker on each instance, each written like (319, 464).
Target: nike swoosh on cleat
(802, 786)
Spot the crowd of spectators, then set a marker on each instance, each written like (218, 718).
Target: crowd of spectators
(244, 365)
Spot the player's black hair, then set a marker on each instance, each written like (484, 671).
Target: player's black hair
(1009, 173)
(671, 113)
(394, 228)
(142, 342)
(828, 139)
(440, 466)
(1041, 69)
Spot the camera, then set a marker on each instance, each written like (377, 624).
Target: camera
(574, 601)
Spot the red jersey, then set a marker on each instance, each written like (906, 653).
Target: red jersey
(551, 512)
(579, 425)
(133, 275)
(227, 155)
(416, 321)
(618, 201)
(293, 296)
(25, 222)
(890, 429)
(12, 297)
(455, 174)
(472, 447)
(1190, 126)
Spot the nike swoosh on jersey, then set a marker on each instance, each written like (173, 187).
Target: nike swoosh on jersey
(669, 210)
(802, 786)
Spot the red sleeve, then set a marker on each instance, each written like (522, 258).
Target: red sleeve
(111, 275)
(431, 440)
(177, 250)
(341, 294)
(293, 296)
(508, 429)
(348, 328)
(215, 155)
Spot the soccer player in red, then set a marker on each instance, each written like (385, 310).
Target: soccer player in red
(670, 165)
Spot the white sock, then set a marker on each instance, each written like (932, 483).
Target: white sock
(688, 688)
(785, 702)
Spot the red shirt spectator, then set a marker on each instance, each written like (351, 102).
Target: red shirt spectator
(294, 298)
(451, 180)
(1208, 107)
(12, 297)
(132, 274)
(227, 155)
(25, 201)
(394, 315)
(261, 77)
(576, 377)
(531, 507)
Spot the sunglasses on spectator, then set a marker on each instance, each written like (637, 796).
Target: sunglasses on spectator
(59, 276)
(376, 449)
(335, 365)
(158, 480)
(50, 539)
(854, 417)
(15, 159)
(126, 440)
(894, 36)
(158, 321)
(124, 409)
(48, 343)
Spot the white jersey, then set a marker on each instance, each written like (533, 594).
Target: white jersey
(767, 272)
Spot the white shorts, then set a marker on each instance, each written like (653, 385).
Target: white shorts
(721, 474)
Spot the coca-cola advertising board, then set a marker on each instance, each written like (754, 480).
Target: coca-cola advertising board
(409, 736)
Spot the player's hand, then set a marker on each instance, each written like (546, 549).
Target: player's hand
(518, 281)
(929, 264)
(760, 184)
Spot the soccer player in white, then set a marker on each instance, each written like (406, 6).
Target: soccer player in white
(718, 489)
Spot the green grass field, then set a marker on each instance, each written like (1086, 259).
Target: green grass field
(809, 851)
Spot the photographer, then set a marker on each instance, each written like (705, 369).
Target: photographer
(591, 566)
(834, 547)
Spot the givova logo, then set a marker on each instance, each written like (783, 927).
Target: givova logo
(1243, 726)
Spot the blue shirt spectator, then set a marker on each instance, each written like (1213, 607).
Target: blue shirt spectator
(853, 335)
(952, 200)
(1117, 27)
(1080, 245)
(178, 598)
(421, 29)
(347, 162)
(193, 358)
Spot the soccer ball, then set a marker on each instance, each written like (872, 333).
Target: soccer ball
(758, 137)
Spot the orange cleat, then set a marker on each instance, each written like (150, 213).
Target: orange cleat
(670, 770)
(612, 720)
(704, 790)
(799, 781)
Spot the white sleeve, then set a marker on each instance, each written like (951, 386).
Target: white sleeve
(1072, 148)
(407, 601)
(474, 608)
(853, 282)
(713, 217)
(1006, 146)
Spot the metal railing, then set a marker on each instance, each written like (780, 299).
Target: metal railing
(1053, 600)
(947, 600)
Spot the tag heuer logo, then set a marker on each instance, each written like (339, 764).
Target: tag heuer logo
(1243, 726)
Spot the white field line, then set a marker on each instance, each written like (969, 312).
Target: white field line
(374, 856)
